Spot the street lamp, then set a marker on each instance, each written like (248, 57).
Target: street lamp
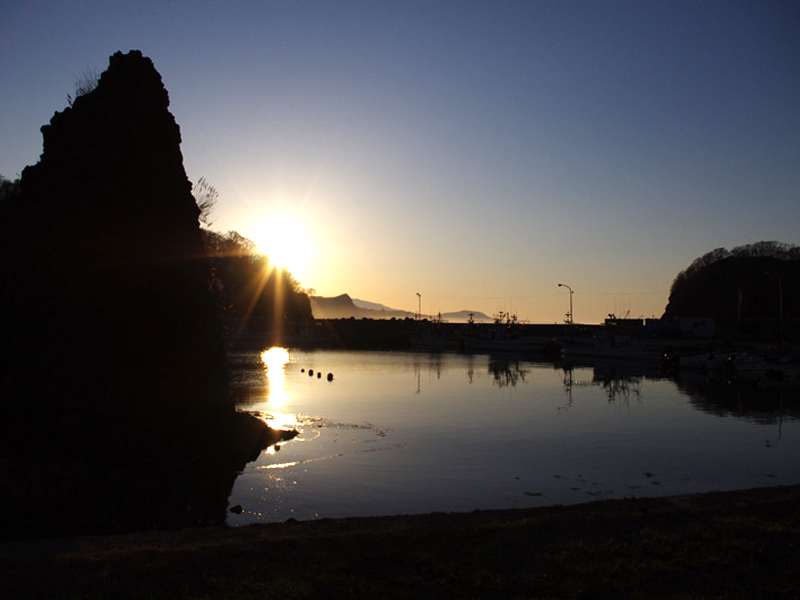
(419, 306)
(570, 319)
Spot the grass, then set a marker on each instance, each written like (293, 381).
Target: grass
(719, 545)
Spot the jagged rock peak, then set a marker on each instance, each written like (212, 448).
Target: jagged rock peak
(122, 138)
(116, 267)
(133, 75)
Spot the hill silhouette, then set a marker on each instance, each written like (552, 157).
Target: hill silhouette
(749, 287)
(345, 307)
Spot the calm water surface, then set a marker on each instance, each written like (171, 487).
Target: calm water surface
(402, 432)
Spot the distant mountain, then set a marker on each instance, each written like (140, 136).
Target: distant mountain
(372, 305)
(345, 307)
(462, 316)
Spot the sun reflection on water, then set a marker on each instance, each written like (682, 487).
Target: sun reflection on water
(275, 360)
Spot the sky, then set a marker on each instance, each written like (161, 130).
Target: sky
(475, 153)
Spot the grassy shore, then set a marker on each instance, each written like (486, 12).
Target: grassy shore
(719, 545)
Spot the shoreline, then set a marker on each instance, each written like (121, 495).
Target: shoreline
(733, 544)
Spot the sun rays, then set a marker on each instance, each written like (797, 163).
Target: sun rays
(285, 241)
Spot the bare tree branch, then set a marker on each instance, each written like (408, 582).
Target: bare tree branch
(206, 196)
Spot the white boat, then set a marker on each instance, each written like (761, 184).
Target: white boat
(739, 363)
(608, 346)
(744, 363)
(783, 370)
(502, 345)
(708, 361)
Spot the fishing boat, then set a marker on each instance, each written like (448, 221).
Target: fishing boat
(506, 334)
(603, 346)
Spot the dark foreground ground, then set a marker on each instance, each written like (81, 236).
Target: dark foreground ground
(719, 545)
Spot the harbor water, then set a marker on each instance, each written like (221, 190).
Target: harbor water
(385, 433)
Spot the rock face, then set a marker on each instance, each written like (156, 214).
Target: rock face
(106, 301)
(114, 413)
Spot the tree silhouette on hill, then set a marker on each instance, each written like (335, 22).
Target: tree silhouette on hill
(253, 294)
(741, 287)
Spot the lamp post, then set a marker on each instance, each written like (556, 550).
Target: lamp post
(419, 306)
(570, 318)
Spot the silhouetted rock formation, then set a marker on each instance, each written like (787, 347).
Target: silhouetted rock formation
(114, 349)
(106, 291)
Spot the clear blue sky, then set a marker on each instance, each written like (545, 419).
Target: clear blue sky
(478, 153)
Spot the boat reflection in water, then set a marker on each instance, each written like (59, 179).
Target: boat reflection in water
(620, 381)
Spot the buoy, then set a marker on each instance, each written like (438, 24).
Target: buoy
(302, 370)
(319, 375)
(311, 372)
(330, 376)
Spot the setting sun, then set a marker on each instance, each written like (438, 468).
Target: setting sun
(285, 242)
